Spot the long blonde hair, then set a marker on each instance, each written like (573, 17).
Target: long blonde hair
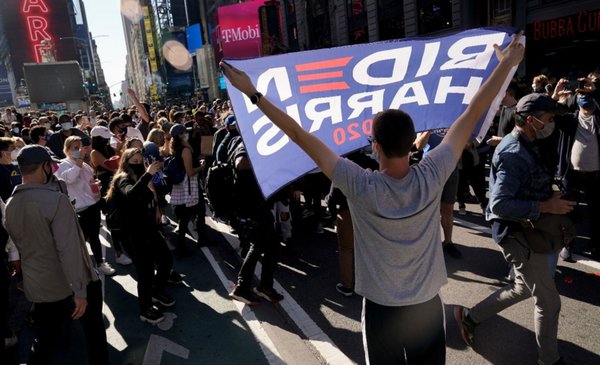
(124, 171)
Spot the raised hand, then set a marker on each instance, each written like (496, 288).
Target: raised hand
(238, 78)
(514, 52)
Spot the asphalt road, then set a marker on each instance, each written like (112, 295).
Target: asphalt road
(315, 324)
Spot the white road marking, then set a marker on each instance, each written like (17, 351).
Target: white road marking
(157, 345)
(265, 343)
(322, 343)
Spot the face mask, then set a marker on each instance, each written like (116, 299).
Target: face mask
(66, 126)
(76, 154)
(48, 175)
(587, 102)
(46, 125)
(547, 130)
(138, 168)
(15, 130)
(14, 154)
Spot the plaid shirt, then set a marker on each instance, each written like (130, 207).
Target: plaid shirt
(186, 193)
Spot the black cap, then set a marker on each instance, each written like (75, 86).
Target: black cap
(177, 130)
(537, 102)
(33, 155)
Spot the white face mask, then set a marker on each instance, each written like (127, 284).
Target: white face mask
(67, 126)
(546, 130)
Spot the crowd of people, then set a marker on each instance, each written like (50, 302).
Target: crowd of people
(136, 167)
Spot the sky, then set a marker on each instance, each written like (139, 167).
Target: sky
(104, 21)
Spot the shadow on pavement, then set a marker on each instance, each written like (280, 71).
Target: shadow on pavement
(502, 342)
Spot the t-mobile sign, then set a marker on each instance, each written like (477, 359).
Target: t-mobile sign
(239, 30)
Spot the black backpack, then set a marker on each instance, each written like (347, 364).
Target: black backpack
(220, 182)
(219, 189)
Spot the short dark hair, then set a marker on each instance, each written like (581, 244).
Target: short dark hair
(37, 132)
(394, 131)
(114, 123)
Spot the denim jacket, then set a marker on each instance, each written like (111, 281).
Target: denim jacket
(518, 181)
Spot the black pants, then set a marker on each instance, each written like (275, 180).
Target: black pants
(54, 320)
(89, 220)
(589, 184)
(411, 334)
(263, 239)
(149, 252)
(185, 215)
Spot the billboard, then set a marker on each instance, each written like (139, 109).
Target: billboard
(239, 30)
(194, 38)
(28, 23)
(54, 82)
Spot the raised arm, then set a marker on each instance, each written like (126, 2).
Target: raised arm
(138, 105)
(461, 130)
(323, 156)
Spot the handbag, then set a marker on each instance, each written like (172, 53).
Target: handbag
(549, 233)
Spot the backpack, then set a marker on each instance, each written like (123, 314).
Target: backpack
(173, 171)
(219, 189)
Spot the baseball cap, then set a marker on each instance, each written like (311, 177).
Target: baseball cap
(230, 120)
(537, 102)
(100, 131)
(33, 155)
(64, 117)
(177, 130)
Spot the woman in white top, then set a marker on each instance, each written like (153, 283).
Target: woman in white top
(85, 195)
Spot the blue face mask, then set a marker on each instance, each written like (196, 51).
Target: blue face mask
(586, 102)
(76, 154)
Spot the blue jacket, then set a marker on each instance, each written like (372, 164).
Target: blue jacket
(518, 181)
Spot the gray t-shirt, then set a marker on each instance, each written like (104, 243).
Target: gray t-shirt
(397, 245)
(584, 153)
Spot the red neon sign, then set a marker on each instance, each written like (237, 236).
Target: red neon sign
(37, 25)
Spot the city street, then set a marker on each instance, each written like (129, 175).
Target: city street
(316, 325)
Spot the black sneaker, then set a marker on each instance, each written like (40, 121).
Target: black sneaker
(175, 278)
(452, 250)
(163, 299)
(152, 316)
(269, 294)
(347, 292)
(465, 324)
(244, 295)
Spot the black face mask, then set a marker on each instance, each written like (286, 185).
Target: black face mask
(138, 168)
(47, 173)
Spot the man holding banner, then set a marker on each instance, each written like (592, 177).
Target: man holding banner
(395, 210)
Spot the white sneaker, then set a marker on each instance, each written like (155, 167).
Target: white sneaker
(106, 269)
(164, 220)
(123, 260)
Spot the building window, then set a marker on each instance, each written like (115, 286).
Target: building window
(319, 29)
(434, 15)
(292, 27)
(358, 30)
(390, 14)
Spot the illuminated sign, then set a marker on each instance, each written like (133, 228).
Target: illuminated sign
(570, 26)
(239, 30)
(35, 12)
(28, 23)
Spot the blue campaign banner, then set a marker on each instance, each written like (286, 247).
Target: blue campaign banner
(334, 94)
